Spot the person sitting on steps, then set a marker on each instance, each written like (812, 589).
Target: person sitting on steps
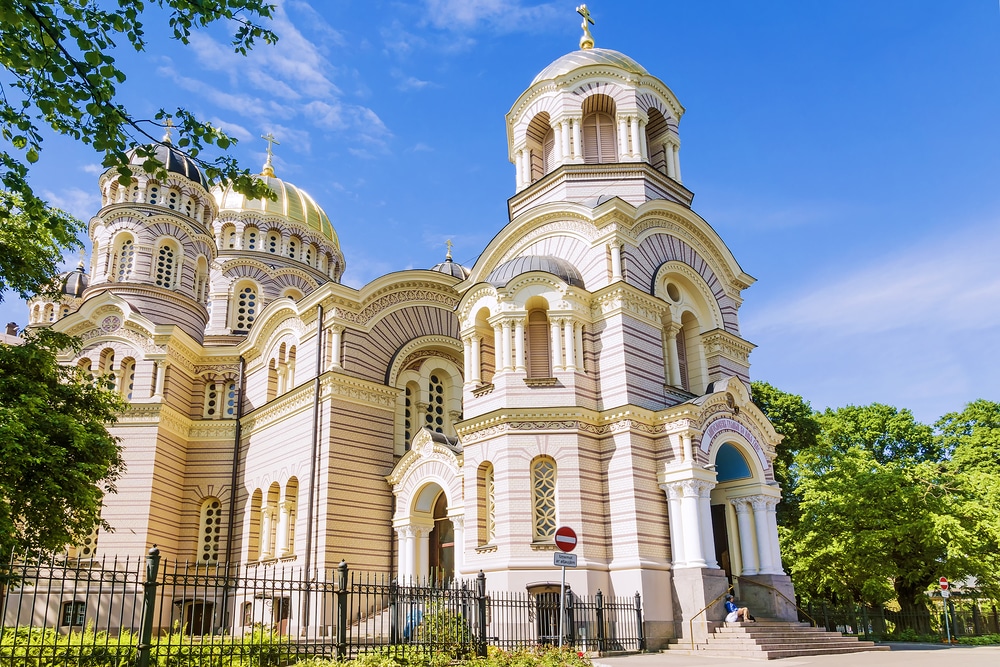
(735, 613)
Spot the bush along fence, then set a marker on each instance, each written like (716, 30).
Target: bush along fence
(967, 618)
(147, 612)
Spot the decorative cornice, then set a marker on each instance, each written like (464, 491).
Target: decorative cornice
(730, 346)
(622, 297)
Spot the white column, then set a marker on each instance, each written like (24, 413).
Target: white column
(668, 159)
(566, 153)
(622, 138)
(518, 172)
(407, 553)
(161, 373)
(526, 166)
(423, 568)
(557, 144)
(266, 521)
(772, 534)
(508, 363)
(458, 522)
(759, 504)
(556, 345)
(577, 141)
(400, 554)
(643, 148)
(497, 348)
(688, 448)
(677, 163)
(467, 359)
(634, 130)
(285, 528)
(570, 344)
(673, 492)
(477, 359)
(578, 330)
(691, 523)
(707, 533)
(673, 361)
(519, 345)
(336, 334)
(616, 261)
(748, 550)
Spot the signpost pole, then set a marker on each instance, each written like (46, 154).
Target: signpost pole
(562, 605)
(945, 594)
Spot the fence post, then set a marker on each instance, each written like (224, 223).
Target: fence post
(481, 614)
(864, 620)
(599, 601)
(570, 638)
(638, 620)
(393, 611)
(148, 606)
(341, 610)
(826, 617)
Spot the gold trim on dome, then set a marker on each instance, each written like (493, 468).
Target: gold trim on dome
(268, 169)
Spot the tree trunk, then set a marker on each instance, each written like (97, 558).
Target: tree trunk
(913, 611)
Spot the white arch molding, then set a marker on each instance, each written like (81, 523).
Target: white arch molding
(428, 466)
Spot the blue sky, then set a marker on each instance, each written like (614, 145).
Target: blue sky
(848, 152)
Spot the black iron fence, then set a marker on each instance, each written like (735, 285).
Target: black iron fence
(967, 617)
(144, 611)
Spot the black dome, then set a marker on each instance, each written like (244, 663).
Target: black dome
(74, 282)
(174, 162)
(560, 268)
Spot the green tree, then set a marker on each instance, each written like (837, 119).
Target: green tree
(793, 418)
(879, 512)
(60, 73)
(58, 458)
(972, 440)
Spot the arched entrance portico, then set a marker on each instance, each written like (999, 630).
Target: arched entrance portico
(430, 512)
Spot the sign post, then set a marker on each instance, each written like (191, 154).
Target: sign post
(565, 539)
(945, 594)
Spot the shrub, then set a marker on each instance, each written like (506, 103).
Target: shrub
(984, 640)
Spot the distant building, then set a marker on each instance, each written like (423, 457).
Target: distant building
(587, 371)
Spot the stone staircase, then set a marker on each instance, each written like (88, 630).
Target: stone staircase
(769, 639)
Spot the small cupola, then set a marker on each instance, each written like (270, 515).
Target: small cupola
(595, 122)
(451, 267)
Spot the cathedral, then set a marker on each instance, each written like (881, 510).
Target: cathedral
(587, 371)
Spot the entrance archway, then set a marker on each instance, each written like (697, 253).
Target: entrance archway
(441, 556)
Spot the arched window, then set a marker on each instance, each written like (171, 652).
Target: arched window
(543, 487)
(107, 361)
(50, 313)
(154, 194)
(127, 378)
(124, 258)
(273, 242)
(657, 135)
(212, 397)
(292, 293)
(231, 238)
(85, 365)
(599, 141)
(539, 142)
(310, 253)
(250, 238)
(253, 542)
(173, 199)
(165, 265)
(437, 409)
(537, 345)
(487, 505)
(244, 306)
(201, 280)
(409, 413)
(293, 247)
(211, 531)
(682, 359)
(548, 151)
(286, 518)
(269, 521)
(272, 380)
(229, 393)
(64, 311)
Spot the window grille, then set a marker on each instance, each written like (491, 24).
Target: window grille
(165, 269)
(435, 418)
(543, 482)
(211, 530)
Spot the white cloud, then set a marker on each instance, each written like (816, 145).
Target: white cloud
(941, 283)
(232, 129)
(498, 15)
(94, 169)
(75, 201)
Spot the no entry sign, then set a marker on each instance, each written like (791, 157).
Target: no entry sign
(943, 581)
(566, 539)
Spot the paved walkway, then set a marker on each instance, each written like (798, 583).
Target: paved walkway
(901, 655)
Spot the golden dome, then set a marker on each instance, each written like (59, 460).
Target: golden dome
(292, 204)
(586, 57)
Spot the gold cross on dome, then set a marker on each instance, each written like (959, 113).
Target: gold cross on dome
(587, 41)
(449, 244)
(271, 141)
(168, 128)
